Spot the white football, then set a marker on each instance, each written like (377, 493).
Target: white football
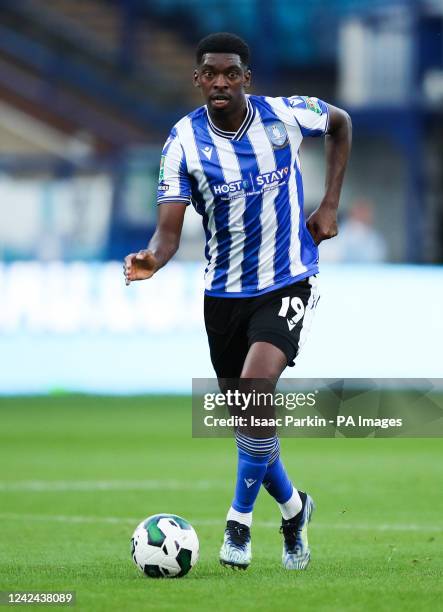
(164, 546)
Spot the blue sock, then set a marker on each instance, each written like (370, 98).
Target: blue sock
(254, 455)
(250, 472)
(277, 483)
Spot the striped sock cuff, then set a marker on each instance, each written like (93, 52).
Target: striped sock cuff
(258, 446)
(275, 453)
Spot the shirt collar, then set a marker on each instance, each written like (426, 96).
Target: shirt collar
(250, 113)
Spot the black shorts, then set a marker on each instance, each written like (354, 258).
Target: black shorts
(281, 317)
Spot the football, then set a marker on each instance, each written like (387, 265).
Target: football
(164, 546)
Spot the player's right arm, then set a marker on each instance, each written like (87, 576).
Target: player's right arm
(162, 246)
(173, 195)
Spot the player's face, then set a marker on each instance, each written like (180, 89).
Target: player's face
(222, 79)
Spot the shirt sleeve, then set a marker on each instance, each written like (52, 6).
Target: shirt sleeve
(311, 114)
(174, 184)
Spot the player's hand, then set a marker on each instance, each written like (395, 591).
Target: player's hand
(139, 266)
(322, 224)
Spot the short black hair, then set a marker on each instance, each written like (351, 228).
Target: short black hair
(223, 42)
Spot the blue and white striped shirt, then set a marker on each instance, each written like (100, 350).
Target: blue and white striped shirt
(247, 186)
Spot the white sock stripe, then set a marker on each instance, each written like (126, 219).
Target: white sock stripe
(256, 446)
(258, 449)
(268, 445)
(259, 440)
(238, 434)
(275, 453)
(254, 451)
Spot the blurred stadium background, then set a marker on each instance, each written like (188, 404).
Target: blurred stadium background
(89, 90)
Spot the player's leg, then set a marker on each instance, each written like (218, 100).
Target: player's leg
(284, 320)
(227, 338)
(263, 365)
(228, 343)
(234, 362)
(267, 357)
(257, 446)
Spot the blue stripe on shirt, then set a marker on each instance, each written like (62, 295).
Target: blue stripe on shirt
(251, 217)
(282, 205)
(220, 207)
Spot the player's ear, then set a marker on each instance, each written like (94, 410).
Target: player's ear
(195, 79)
(247, 78)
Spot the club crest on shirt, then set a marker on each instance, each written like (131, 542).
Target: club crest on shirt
(277, 134)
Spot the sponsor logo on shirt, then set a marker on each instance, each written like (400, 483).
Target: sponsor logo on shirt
(256, 185)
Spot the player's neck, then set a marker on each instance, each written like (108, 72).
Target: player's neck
(230, 122)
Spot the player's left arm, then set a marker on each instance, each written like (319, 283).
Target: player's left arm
(322, 223)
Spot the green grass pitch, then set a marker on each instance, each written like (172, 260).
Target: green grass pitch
(78, 473)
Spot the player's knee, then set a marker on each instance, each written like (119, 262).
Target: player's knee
(266, 373)
(264, 361)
